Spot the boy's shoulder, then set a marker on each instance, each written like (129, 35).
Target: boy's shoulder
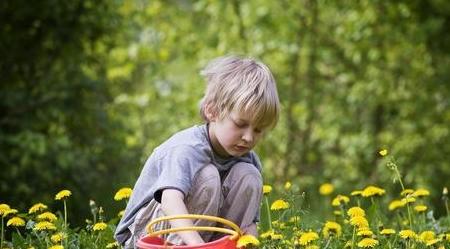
(193, 138)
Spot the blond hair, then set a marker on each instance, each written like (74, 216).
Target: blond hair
(244, 85)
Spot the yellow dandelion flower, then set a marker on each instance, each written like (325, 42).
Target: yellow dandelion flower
(331, 228)
(340, 199)
(356, 193)
(421, 192)
(4, 208)
(100, 226)
(396, 204)
(433, 242)
(407, 192)
(9, 211)
(267, 189)
(356, 211)
(383, 152)
(364, 232)
(445, 191)
(359, 221)
(426, 236)
(407, 234)
(287, 185)
(409, 199)
(44, 225)
(368, 243)
(15, 222)
(326, 189)
(387, 231)
(36, 208)
(247, 240)
(123, 193)
(56, 247)
(63, 194)
(271, 235)
(112, 245)
(279, 205)
(121, 213)
(49, 216)
(373, 191)
(420, 208)
(307, 238)
(57, 237)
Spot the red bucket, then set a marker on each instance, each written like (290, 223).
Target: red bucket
(152, 241)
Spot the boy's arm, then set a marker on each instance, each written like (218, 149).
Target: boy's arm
(172, 203)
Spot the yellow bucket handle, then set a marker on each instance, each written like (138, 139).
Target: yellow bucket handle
(235, 233)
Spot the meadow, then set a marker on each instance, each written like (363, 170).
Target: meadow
(364, 218)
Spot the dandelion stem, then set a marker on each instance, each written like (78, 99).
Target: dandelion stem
(65, 215)
(269, 217)
(353, 236)
(446, 208)
(1, 240)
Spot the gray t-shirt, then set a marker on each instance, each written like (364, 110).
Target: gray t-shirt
(174, 164)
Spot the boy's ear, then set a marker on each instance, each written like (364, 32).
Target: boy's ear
(210, 112)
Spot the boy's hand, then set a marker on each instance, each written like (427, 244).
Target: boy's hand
(172, 203)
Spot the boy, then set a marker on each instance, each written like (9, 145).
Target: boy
(209, 169)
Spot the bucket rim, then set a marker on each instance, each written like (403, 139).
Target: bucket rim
(143, 245)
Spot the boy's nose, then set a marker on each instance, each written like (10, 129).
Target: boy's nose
(248, 136)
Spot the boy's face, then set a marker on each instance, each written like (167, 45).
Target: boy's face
(233, 135)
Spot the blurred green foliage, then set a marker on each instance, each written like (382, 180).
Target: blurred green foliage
(89, 88)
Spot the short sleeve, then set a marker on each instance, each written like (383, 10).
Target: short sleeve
(177, 169)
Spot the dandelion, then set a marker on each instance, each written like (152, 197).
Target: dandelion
(123, 193)
(15, 222)
(426, 236)
(44, 225)
(36, 208)
(373, 191)
(368, 243)
(287, 185)
(63, 194)
(421, 192)
(332, 227)
(364, 232)
(267, 189)
(121, 213)
(383, 152)
(409, 199)
(56, 247)
(271, 235)
(326, 189)
(356, 193)
(58, 237)
(247, 240)
(407, 234)
(49, 216)
(279, 205)
(9, 211)
(395, 204)
(340, 199)
(420, 208)
(387, 231)
(407, 192)
(356, 211)
(359, 221)
(432, 242)
(4, 208)
(307, 238)
(100, 226)
(112, 245)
